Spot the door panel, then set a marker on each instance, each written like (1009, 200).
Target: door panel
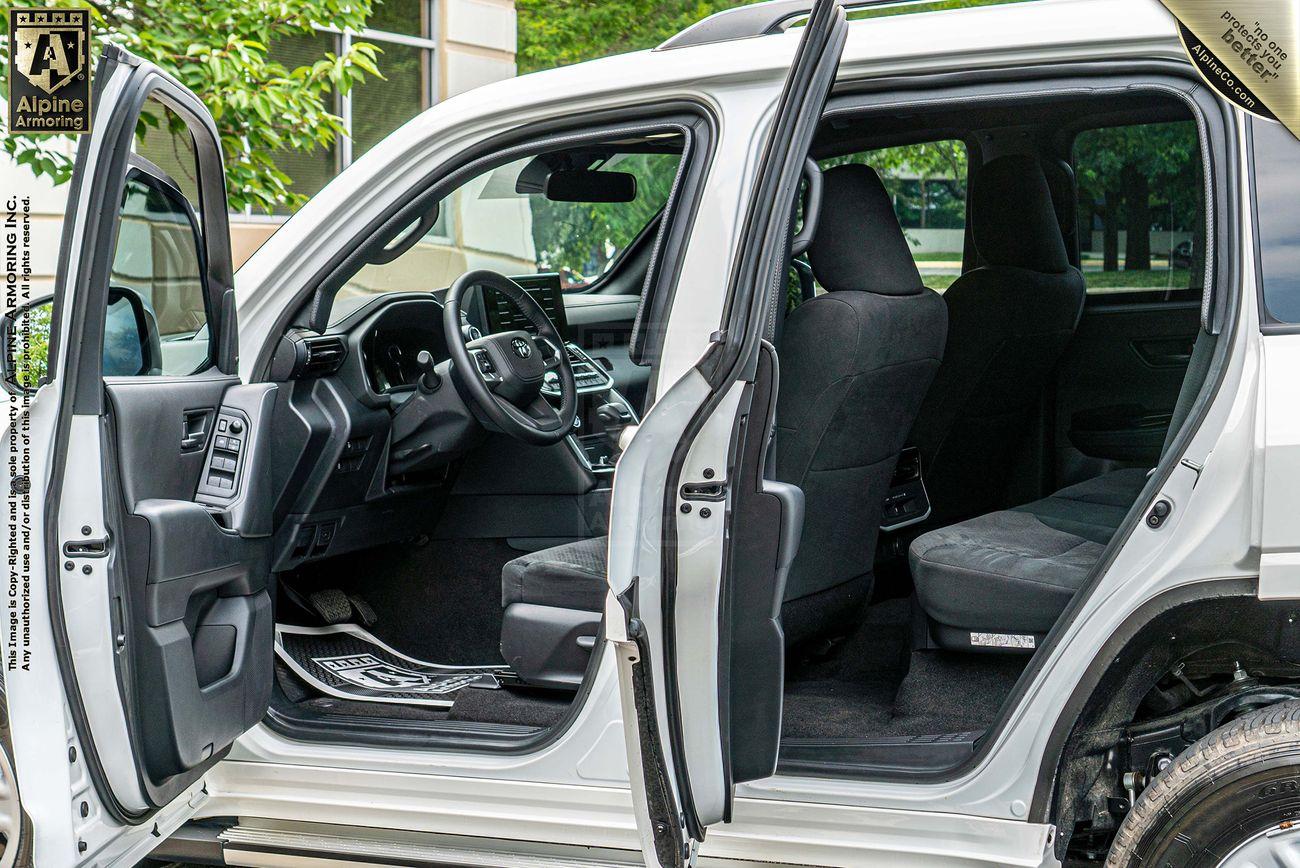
(767, 521)
(700, 539)
(157, 522)
(194, 582)
(1117, 384)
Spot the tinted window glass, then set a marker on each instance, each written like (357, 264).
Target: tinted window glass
(1277, 197)
(1141, 212)
(158, 256)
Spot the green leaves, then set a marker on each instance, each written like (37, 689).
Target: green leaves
(221, 50)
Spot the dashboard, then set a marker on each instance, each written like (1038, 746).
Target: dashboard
(340, 439)
(398, 334)
(393, 339)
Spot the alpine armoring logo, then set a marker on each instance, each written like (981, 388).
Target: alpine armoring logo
(49, 71)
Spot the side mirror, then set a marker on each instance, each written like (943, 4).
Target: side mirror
(131, 343)
(25, 346)
(132, 347)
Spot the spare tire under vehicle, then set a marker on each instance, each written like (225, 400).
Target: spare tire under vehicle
(1230, 800)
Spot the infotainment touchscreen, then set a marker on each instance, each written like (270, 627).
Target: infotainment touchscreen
(502, 315)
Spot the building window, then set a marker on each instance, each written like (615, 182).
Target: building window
(404, 31)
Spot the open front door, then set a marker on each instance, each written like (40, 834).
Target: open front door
(150, 606)
(701, 538)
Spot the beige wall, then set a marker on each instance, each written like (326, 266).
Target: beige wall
(476, 45)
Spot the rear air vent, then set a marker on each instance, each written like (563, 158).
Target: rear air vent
(317, 357)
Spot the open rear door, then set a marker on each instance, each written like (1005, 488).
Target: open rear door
(150, 606)
(701, 539)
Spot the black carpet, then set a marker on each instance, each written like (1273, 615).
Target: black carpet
(541, 708)
(872, 684)
(438, 601)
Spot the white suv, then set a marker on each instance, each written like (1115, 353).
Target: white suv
(881, 451)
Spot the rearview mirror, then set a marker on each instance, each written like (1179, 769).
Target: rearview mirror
(25, 345)
(581, 185)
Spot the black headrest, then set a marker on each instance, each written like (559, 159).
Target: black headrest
(1013, 219)
(859, 244)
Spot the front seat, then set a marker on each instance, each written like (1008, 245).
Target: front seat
(1008, 323)
(855, 362)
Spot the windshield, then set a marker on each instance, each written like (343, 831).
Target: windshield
(521, 218)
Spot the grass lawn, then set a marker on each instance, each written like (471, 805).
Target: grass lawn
(1178, 278)
(1119, 280)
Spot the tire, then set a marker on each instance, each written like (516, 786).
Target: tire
(1240, 780)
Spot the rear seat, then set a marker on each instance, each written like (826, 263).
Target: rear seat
(1001, 580)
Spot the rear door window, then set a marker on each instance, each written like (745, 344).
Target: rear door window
(1141, 212)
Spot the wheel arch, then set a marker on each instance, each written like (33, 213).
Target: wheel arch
(1164, 630)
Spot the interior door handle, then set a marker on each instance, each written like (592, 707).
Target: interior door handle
(194, 429)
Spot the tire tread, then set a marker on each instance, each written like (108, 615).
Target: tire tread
(1255, 736)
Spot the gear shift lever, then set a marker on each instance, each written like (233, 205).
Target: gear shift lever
(614, 417)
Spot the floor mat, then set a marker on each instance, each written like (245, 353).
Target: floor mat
(346, 661)
(437, 601)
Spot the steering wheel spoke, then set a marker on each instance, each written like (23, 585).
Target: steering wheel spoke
(486, 368)
(555, 355)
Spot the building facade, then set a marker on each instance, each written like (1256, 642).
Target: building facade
(432, 50)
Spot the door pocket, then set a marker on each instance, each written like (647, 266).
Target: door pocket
(203, 631)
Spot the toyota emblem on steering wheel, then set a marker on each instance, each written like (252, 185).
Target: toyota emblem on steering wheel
(522, 350)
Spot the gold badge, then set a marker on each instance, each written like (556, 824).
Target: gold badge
(49, 70)
(1246, 51)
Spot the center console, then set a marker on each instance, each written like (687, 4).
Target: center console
(588, 374)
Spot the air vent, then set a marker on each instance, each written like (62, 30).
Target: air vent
(317, 357)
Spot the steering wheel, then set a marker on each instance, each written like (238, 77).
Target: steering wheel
(503, 373)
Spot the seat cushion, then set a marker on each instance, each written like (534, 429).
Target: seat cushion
(1002, 572)
(1015, 571)
(570, 576)
(1094, 508)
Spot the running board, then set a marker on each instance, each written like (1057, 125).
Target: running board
(278, 845)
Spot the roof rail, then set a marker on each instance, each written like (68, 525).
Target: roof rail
(758, 19)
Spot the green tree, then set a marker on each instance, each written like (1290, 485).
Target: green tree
(219, 50)
(1130, 176)
(926, 180)
(581, 239)
(31, 349)
(561, 32)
